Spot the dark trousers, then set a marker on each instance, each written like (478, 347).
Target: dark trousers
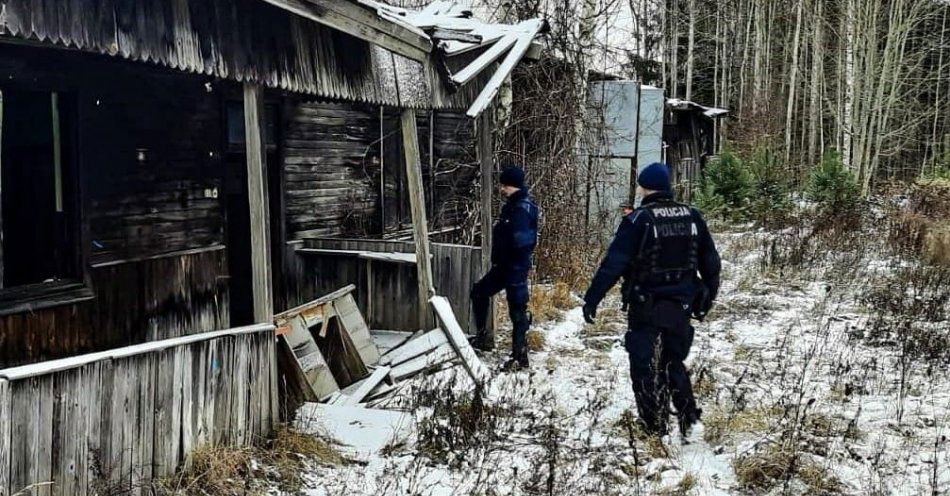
(658, 341)
(515, 285)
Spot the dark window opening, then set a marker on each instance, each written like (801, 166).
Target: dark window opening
(235, 124)
(37, 213)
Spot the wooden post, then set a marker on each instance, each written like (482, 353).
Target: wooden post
(486, 160)
(1, 196)
(257, 199)
(420, 227)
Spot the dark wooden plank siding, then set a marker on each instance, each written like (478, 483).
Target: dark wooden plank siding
(170, 201)
(393, 285)
(154, 230)
(134, 303)
(331, 157)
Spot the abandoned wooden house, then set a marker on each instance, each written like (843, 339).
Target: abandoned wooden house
(176, 172)
(689, 140)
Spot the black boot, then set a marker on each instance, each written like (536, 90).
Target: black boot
(482, 341)
(687, 421)
(516, 363)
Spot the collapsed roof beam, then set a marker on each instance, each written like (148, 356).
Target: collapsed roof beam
(363, 23)
(521, 46)
(485, 59)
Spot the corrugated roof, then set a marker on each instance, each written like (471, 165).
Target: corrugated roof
(254, 41)
(241, 40)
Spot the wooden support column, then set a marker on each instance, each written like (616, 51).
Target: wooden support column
(1, 209)
(486, 160)
(257, 199)
(420, 223)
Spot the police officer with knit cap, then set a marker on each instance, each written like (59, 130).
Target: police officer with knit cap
(514, 236)
(670, 265)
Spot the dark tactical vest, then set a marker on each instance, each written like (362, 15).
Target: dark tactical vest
(668, 252)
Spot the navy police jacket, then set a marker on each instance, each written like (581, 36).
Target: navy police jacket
(515, 233)
(635, 232)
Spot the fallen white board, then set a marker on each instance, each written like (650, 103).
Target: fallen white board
(418, 346)
(366, 386)
(387, 341)
(360, 431)
(425, 362)
(453, 331)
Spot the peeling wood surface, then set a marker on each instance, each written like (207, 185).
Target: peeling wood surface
(135, 414)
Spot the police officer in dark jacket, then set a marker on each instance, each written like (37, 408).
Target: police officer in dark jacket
(513, 238)
(670, 266)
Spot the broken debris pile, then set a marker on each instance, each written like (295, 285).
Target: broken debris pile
(340, 367)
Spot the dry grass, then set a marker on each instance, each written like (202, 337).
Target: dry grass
(215, 470)
(775, 463)
(937, 244)
(819, 479)
(225, 470)
(720, 423)
(610, 321)
(682, 488)
(548, 301)
(535, 340)
(762, 470)
(704, 385)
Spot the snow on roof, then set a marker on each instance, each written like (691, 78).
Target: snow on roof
(711, 112)
(453, 28)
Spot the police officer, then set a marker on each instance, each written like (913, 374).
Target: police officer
(670, 265)
(513, 238)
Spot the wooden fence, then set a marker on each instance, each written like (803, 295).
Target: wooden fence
(109, 422)
(386, 288)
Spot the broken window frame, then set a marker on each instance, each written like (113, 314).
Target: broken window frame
(72, 285)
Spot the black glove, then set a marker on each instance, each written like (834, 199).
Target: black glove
(702, 304)
(590, 312)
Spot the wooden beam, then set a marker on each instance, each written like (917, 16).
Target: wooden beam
(363, 23)
(485, 59)
(525, 39)
(420, 223)
(456, 338)
(257, 200)
(1, 192)
(485, 153)
(454, 35)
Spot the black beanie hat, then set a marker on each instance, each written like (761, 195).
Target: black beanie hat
(655, 177)
(512, 176)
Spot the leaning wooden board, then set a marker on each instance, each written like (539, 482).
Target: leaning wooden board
(354, 325)
(456, 338)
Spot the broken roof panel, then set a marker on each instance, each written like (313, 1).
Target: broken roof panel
(452, 27)
(685, 105)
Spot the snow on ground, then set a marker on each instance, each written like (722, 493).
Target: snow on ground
(780, 367)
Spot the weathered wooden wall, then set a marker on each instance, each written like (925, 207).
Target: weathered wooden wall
(392, 287)
(332, 160)
(109, 422)
(152, 232)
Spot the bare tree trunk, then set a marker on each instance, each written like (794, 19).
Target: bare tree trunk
(674, 49)
(793, 81)
(848, 29)
(690, 49)
(814, 83)
(934, 146)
